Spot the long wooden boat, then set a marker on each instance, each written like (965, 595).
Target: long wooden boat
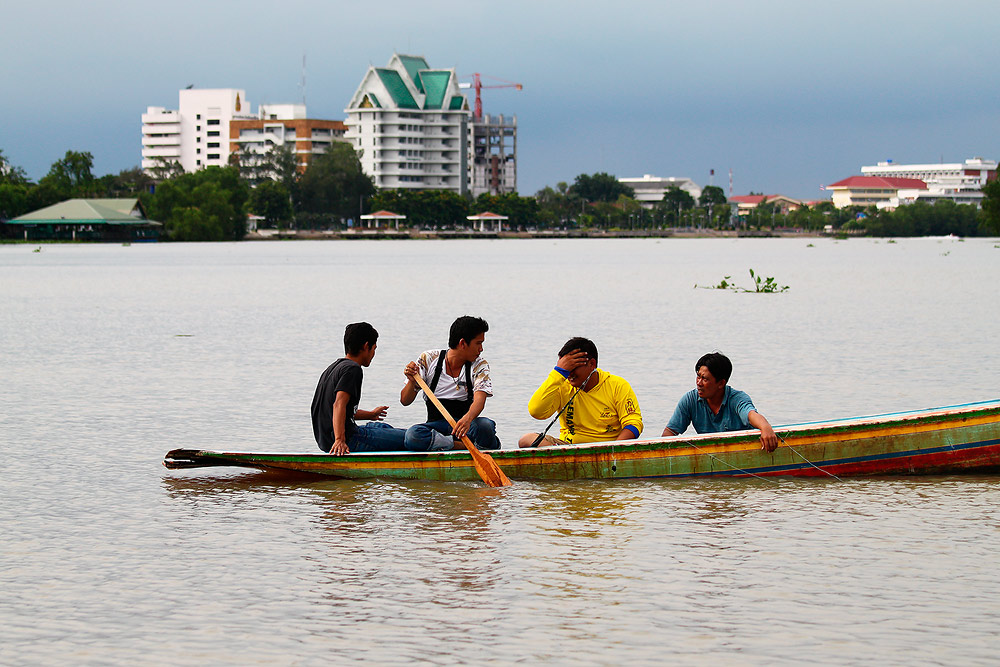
(962, 438)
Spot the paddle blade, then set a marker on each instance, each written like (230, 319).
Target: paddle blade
(485, 465)
(487, 468)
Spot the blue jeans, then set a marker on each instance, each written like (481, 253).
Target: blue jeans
(376, 437)
(421, 437)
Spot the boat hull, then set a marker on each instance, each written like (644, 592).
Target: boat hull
(942, 441)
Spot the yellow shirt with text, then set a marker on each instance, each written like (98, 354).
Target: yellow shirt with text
(596, 415)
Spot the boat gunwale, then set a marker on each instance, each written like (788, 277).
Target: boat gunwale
(732, 441)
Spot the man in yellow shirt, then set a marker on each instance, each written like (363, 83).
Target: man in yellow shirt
(593, 406)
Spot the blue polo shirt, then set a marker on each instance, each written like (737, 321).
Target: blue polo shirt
(733, 415)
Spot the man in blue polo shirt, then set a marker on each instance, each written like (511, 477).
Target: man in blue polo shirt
(713, 406)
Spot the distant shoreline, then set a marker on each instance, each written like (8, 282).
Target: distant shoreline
(389, 234)
(432, 235)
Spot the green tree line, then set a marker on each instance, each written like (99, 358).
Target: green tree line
(600, 201)
(581, 205)
(333, 191)
(69, 177)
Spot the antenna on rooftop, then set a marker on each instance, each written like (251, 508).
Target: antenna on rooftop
(302, 85)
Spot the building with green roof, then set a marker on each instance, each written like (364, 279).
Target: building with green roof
(87, 220)
(411, 126)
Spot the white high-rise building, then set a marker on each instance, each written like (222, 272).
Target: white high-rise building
(411, 126)
(196, 135)
(161, 137)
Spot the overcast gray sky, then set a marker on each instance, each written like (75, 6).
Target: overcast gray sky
(788, 94)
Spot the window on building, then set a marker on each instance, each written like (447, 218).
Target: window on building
(197, 151)
(213, 121)
(213, 145)
(198, 140)
(213, 156)
(197, 116)
(213, 133)
(197, 128)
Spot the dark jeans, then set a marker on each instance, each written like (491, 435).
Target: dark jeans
(421, 437)
(376, 437)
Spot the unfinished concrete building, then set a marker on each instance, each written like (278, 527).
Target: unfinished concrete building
(494, 155)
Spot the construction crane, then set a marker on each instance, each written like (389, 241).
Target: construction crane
(478, 85)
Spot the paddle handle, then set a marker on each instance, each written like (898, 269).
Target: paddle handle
(443, 410)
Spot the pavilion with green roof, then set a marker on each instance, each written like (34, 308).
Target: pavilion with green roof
(88, 220)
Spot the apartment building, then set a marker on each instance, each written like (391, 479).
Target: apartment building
(210, 124)
(411, 126)
(285, 124)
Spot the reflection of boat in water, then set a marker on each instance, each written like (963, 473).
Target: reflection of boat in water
(963, 438)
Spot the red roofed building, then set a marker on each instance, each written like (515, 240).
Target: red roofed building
(881, 191)
(378, 217)
(495, 220)
(747, 203)
(960, 182)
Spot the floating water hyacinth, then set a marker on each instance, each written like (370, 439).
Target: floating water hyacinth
(761, 285)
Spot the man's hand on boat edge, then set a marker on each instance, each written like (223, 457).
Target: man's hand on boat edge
(768, 438)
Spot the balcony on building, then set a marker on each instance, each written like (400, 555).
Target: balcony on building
(160, 115)
(173, 151)
(156, 140)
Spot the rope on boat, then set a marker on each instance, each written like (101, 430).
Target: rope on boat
(747, 472)
(726, 463)
(794, 451)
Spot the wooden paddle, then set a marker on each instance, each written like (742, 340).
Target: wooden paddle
(485, 465)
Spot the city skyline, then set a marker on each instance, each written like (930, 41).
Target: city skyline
(789, 97)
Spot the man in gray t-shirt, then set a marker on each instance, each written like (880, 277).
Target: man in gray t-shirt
(338, 392)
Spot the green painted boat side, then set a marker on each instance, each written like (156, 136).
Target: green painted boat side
(963, 438)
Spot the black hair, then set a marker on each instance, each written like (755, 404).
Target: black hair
(356, 335)
(466, 328)
(581, 344)
(718, 365)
